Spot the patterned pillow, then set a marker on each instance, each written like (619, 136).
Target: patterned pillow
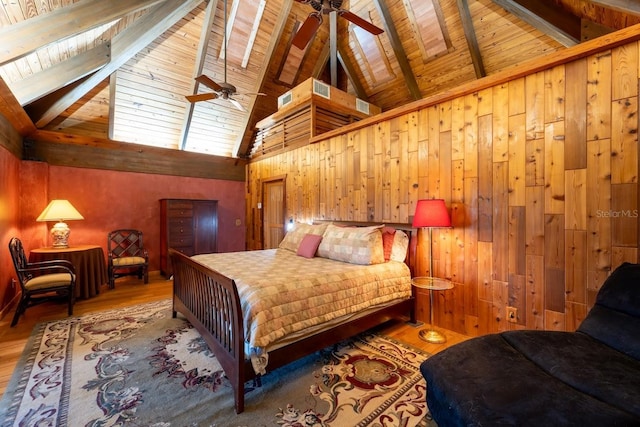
(293, 237)
(356, 245)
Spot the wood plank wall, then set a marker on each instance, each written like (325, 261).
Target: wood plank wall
(540, 173)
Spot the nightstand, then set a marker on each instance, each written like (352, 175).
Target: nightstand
(431, 284)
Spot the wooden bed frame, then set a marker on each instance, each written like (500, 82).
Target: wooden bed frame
(210, 302)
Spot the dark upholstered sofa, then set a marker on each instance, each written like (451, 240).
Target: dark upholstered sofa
(545, 378)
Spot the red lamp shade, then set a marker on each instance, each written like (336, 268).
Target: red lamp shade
(431, 213)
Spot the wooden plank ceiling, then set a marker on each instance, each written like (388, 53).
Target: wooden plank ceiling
(120, 71)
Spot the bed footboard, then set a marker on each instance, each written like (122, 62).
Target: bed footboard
(210, 302)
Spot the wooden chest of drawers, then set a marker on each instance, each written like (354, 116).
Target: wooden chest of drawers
(188, 226)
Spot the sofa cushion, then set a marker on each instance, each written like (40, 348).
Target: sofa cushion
(615, 317)
(485, 381)
(583, 363)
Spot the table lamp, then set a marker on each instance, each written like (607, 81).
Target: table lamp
(431, 213)
(60, 211)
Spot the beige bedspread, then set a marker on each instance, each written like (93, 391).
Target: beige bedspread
(282, 293)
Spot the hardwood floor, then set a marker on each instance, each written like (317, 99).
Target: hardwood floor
(130, 291)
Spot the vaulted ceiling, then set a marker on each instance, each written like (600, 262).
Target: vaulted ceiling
(120, 70)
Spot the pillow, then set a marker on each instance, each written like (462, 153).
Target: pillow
(400, 246)
(293, 237)
(309, 245)
(356, 245)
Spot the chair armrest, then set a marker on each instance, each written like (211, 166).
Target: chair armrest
(50, 265)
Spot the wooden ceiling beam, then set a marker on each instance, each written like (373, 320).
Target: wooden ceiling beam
(205, 36)
(538, 22)
(396, 44)
(11, 109)
(350, 70)
(53, 78)
(24, 37)
(243, 142)
(123, 47)
(470, 36)
(631, 7)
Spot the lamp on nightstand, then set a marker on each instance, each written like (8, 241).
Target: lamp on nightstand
(59, 211)
(431, 213)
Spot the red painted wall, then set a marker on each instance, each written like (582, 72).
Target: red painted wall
(109, 200)
(9, 220)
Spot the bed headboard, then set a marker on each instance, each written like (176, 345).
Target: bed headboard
(410, 260)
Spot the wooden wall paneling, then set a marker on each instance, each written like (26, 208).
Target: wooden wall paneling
(535, 220)
(500, 125)
(624, 215)
(457, 128)
(624, 74)
(471, 136)
(624, 141)
(517, 160)
(433, 168)
(485, 178)
(517, 98)
(500, 224)
(535, 292)
(554, 321)
(598, 95)
(518, 298)
(554, 293)
(560, 193)
(485, 273)
(445, 180)
(576, 266)
(499, 307)
(458, 220)
(576, 199)
(485, 102)
(574, 315)
(470, 242)
(413, 169)
(554, 188)
(535, 104)
(554, 99)
(599, 162)
(576, 112)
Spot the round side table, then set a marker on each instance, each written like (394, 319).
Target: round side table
(431, 284)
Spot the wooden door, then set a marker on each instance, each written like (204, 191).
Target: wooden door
(205, 226)
(273, 213)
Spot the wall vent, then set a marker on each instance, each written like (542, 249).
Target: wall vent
(321, 89)
(285, 99)
(362, 106)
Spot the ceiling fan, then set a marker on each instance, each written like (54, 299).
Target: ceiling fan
(314, 20)
(224, 90)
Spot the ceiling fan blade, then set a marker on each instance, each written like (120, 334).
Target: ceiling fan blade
(201, 97)
(307, 30)
(208, 82)
(365, 25)
(237, 104)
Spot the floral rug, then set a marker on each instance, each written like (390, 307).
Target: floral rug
(140, 367)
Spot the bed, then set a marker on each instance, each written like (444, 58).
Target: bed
(235, 300)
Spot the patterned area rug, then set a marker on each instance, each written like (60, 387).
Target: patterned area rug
(140, 367)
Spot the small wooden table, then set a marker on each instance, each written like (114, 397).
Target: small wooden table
(88, 260)
(431, 284)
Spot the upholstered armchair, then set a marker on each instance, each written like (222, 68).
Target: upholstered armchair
(126, 255)
(41, 281)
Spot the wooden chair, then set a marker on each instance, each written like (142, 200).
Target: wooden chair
(127, 255)
(41, 281)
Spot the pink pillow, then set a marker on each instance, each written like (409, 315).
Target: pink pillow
(309, 245)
